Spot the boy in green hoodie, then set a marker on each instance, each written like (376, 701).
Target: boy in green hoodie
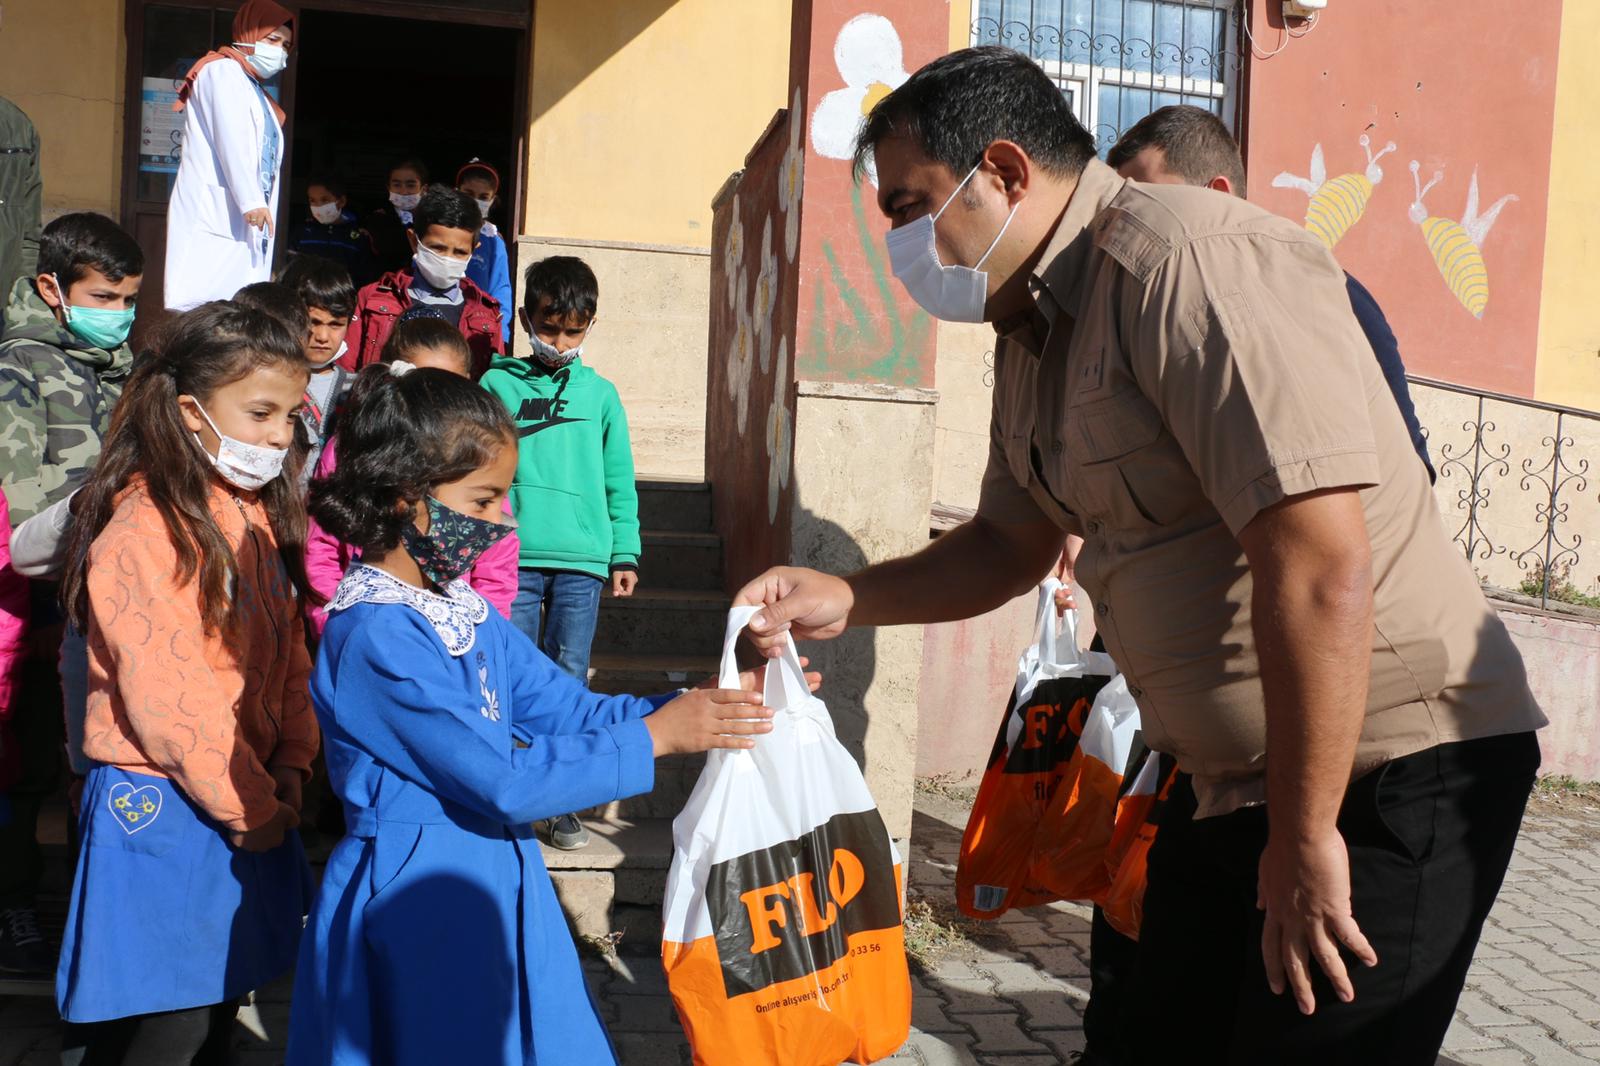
(574, 498)
(63, 359)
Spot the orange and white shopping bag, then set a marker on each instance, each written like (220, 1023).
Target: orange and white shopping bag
(783, 939)
(1035, 756)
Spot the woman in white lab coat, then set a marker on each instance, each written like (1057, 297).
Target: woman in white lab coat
(220, 221)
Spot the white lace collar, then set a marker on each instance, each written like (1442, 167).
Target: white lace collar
(454, 616)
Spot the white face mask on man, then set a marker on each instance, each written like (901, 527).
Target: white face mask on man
(953, 293)
(437, 270)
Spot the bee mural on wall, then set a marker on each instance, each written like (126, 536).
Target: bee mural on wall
(1457, 247)
(1336, 204)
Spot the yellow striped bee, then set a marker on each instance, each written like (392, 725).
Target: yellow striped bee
(1338, 204)
(1457, 247)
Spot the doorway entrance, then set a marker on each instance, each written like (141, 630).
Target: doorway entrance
(367, 83)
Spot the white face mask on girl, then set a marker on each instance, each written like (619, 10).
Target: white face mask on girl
(327, 213)
(405, 201)
(951, 293)
(244, 466)
(437, 270)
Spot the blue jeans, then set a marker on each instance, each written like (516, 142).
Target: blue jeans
(568, 606)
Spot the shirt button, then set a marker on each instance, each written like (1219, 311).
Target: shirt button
(1056, 447)
(1101, 609)
(1135, 691)
(1094, 527)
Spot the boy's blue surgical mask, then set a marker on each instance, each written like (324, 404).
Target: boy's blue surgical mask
(103, 327)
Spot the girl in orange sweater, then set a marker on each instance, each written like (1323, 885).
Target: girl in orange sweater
(184, 569)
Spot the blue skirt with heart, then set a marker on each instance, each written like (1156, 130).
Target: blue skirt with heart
(166, 914)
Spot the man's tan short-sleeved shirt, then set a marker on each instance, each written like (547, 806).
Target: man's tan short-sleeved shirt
(1191, 361)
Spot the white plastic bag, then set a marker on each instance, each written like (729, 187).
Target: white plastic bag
(783, 938)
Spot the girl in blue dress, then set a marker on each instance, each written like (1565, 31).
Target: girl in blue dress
(437, 936)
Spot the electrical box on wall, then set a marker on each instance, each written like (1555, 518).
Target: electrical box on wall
(1302, 9)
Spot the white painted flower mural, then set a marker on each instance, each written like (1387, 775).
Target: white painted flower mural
(733, 248)
(764, 298)
(741, 356)
(872, 63)
(790, 174)
(780, 434)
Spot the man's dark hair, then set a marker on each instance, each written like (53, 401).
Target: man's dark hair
(321, 283)
(566, 281)
(74, 244)
(443, 206)
(1193, 142)
(278, 300)
(959, 104)
(332, 182)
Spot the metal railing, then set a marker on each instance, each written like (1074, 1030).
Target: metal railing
(1551, 480)
(1119, 60)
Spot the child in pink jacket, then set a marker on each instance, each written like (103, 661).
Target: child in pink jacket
(422, 342)
(13, 643)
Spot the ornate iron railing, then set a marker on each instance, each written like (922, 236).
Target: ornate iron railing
(1119, 60)
(1550, 476)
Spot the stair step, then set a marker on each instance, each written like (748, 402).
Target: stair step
(647, 675)
(674, 559)
(625, 863)
(679, 506)
(657, 621)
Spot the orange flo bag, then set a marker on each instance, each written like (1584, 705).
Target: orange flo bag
(1128, 859)
(782, 935)
(1074, 839)
(1035, 757)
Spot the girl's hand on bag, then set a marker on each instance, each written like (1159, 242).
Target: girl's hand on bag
(268, 836)
(702, 719)
(289, 784)
(756, 680)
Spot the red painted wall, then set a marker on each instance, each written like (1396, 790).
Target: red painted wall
(1456, 86)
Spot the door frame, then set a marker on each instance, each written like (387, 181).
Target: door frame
(133, 28)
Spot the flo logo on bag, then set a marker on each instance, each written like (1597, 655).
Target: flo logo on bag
(789, 910)
(1048, 725)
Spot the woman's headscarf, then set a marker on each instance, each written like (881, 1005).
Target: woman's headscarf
(252, 23)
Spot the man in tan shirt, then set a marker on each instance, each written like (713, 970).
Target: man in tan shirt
(1180, 381)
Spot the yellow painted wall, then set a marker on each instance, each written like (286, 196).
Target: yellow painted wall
(642, 108)
(1568, 371)
(62, 62)
(960, 24)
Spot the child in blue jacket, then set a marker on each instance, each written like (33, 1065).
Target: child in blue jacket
(490, 269)
(437, 936)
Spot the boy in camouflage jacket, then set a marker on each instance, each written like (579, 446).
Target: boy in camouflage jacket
(63, 359)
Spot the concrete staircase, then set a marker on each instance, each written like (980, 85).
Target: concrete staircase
(668, 635)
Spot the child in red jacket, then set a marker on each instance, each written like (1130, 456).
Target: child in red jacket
(443, 235)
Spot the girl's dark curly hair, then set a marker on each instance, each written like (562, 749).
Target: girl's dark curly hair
(198, 352)
(398, 438)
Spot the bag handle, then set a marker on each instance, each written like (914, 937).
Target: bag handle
(786, 687)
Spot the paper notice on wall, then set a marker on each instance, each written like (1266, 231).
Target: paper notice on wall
(160, 127)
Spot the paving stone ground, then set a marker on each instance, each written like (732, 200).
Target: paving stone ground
(1011, 993)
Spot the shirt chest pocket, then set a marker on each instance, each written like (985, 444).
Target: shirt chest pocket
(1121, 464)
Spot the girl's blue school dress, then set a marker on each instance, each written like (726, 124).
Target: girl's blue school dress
(437, 937)
(490, 270)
